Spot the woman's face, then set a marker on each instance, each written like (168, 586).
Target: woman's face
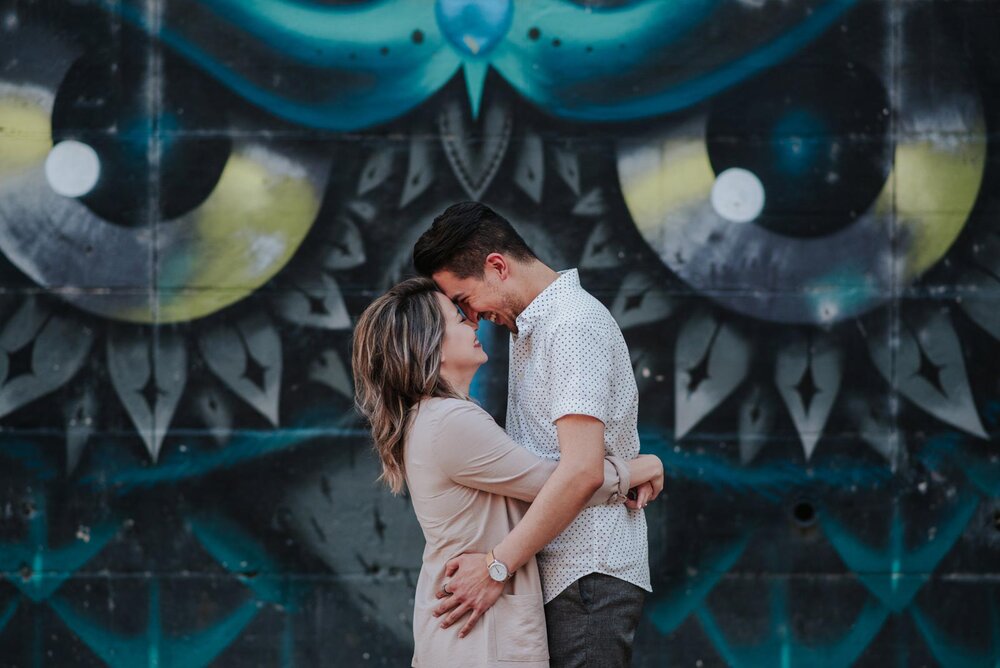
(460, 350)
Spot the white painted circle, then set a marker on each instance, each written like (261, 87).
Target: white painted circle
(738, 195)
(72, 168)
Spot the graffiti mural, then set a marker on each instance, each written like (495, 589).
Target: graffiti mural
(790, 208)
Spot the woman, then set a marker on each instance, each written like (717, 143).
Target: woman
(414, 358)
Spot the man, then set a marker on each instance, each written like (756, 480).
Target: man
(572, 397)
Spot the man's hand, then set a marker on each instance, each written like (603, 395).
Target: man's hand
(470, 589)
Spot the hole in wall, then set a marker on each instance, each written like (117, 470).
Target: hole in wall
(804, 513)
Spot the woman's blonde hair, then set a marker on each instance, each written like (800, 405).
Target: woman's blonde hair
(396, 359)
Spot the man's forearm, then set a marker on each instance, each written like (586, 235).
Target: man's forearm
(556, 506)
(578, 475)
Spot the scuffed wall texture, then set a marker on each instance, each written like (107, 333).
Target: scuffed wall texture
(790, 206)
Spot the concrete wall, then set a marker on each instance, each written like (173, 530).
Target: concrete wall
(789, 206)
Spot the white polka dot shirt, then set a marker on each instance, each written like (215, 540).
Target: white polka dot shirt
(569, 358)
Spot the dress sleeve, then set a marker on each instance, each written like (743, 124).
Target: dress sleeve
(472, 450)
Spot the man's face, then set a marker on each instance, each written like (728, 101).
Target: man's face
(484, 297)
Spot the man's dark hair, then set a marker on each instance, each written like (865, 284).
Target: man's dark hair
(460, 239)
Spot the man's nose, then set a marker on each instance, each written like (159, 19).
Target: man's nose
(472, 315)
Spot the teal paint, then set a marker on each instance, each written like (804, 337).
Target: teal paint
(778, 647)
(850, 290)
(490, 336)
(668, 609)
(309, 40)
(698, 89)
(952, 652)
(474, 27)
(772, 480)
(8, 613)
(153, 648)
(977, 462)
(895, 572)
(240, 554)
(49, 566)
(798, 136)
(389, 75)
(245, 446)
(374, 89)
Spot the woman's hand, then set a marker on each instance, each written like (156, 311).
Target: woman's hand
(470, 589)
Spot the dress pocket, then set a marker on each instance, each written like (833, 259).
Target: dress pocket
(517, 624)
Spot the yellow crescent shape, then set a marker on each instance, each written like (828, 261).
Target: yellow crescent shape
(934, 185)
(243, 234)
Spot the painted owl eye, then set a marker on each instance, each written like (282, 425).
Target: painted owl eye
(821, 159)
(809, 194)
(134, 189)
(115, 109)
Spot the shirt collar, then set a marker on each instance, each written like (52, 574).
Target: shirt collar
(541, 306)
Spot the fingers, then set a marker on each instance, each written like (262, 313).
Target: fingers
(631, 499)
(639, 497)
(644, 494)
(451, 568)
(469, 624)
(446, 604)
(455, 615)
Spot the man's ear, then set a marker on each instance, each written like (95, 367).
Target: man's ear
(498, 263)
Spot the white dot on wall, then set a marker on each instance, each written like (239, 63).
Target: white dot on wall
(738, 195)
(72, 168)
(828, 310)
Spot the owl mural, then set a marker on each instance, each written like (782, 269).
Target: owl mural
(788, 207)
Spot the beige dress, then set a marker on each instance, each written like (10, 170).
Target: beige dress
(470, 484)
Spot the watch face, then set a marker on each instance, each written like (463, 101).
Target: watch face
(498, 571)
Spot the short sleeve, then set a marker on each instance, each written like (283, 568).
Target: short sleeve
(579, 371)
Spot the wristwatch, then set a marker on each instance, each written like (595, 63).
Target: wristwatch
(497, 569)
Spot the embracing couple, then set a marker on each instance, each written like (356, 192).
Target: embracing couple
(536, 550)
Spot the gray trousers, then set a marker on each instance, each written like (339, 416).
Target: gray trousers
(592, 623)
